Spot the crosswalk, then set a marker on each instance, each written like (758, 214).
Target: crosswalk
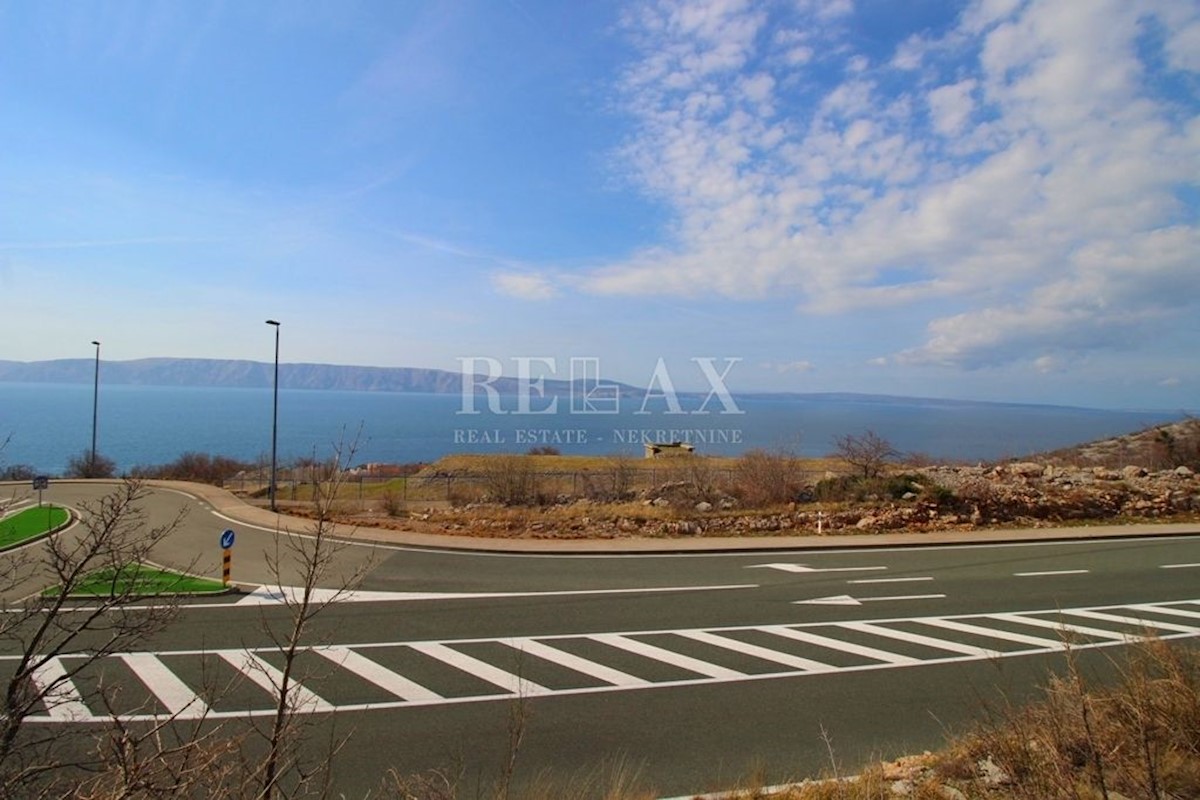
(194, 684)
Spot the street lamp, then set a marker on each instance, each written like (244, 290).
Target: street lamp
(274, 416)
(95, 411)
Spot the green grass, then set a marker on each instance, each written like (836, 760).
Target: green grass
(139, 580)
(30, 523)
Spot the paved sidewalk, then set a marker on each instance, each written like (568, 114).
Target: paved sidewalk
(235, 508)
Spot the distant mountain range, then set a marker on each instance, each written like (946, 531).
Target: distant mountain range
(222, 373)
(254, 374)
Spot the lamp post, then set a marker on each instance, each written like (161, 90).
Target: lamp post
(274, 416)
(95, 411)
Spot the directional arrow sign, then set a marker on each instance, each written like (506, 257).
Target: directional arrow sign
(806, 568)
(847, 600)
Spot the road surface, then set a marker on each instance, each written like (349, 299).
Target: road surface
(696, 668)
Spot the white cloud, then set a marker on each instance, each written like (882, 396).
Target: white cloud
(1021, 171)
(524, 285)
(786, 367)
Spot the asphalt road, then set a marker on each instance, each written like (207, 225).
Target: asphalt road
(696, 669)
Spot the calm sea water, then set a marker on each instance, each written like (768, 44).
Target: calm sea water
(142, 425)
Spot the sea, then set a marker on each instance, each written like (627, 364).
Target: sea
(47, 424)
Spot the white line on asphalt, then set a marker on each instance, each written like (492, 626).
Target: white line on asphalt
(508, 681)
(837, 644)
(787, 659)
(1051, 572)
(270, 679)
(916, 638)
(263, 596)
(995, 633)
(174, 694)
(1174, 612)
(574, 662)
(667, 656)
(1137, 622)
(267, 677)
(804, 568)
(59, 693)
(376, 673)
(1179, 566)
(1058, 625)
(847, 600)
(890, 580)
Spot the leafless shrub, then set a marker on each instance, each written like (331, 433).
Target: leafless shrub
(869, 452)
(512, 480)
(762, 479)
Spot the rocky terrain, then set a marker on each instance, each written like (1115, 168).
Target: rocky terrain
(1064, 488)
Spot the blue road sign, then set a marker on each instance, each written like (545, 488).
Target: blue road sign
(226, 540)
(41, 482)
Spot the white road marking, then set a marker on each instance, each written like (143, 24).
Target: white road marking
(818, 637)
(59, 693)
(1168, 610)
(509, 682)
(837, 644)
(891, 580)
(1179, 566)
(268, 678)
(847, 600)
(798, 568)
(1058, 625)
(175, 695)
(995, 633)
(1051, 572)
(916, 638)
(574, 662)
(667, 656)
(765, 653)
(376, 673)
(1139, 622)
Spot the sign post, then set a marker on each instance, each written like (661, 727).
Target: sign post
(227, 545)
(41, 482)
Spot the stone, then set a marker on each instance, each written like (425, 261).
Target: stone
(991, 773)
(704, 506)
(1131, 471)
(660, 502)
(1183, 472)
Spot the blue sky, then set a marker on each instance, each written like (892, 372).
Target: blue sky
(984, 200)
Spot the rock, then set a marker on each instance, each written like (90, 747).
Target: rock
(908, 496)
(660, 502)
(704, 506)
(950, 793)
(902, 788)
(991, 773)
(1183, 472)
(866, 522)
(1026, 469)
(1130, 472)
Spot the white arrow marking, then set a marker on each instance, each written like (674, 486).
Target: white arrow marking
(847, 600)
(806, 568)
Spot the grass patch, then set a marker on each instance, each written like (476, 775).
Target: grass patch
(139, 580)
(31, 523)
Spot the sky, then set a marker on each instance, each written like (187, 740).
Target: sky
(992, 200)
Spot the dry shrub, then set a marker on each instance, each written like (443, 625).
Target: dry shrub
(762, 479)
(614, 483)
(1139, 737)
(512, 480)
